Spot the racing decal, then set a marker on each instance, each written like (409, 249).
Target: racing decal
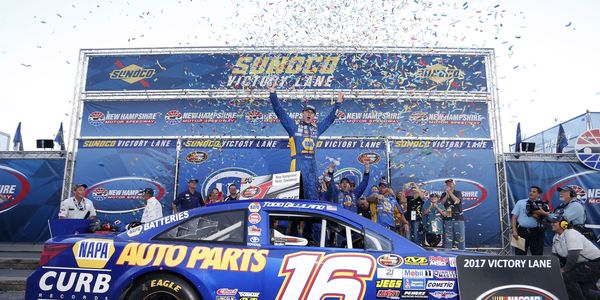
(254, 218)
(440, 285)
(390, 260)
(389, 273)
(415, 261)
(254, 207)
(199, 257)
(249, 295)
(295, 205)
(314, 275)
(414, 284)
(388, 293)
(444, 274)
(226, 294)
(166, 284)
(69, 283)
(438, 261)
(157, 223)
(443, 294)
(254, 230)
(407, 294)
(253, 241)
(93, 253)
(452, 261)
(387, 283)
(417, 273)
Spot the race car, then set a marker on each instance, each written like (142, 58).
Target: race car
(267, 249)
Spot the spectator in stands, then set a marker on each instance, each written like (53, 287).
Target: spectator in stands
(385, 210)
(402, 203)
(434, 226)
(153, 208)
(527, 225)
(189, 198)
(215, 196)
(345, 195)
(363, 207)
(415, 198)
(454, 222)
(233, 193)
(77, 207)
(580, 260)
(374, 189)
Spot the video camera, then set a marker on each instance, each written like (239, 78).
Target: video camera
(536, 205)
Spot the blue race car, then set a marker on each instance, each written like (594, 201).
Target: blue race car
(269, 249)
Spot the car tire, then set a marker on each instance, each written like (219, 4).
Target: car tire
(161, 286)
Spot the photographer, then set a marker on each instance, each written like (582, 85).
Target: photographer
(527, 224)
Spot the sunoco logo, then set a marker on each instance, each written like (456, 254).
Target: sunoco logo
(173, 117)
(439, 73)
(96, 118)
(196, 157)
(222, 178)
(589, 194)
(517, 292)
(93, 253)
(123, 193)
(14, 187)
(132, 73)
(473, 192)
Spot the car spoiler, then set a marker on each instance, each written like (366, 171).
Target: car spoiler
(60, 227)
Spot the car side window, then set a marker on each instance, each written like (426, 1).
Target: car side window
(377, 242)
(225, 227)
(313, 231)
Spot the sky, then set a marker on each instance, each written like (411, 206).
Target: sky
(546, 51)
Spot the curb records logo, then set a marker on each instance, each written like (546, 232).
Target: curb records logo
(173, 117)
(14, 187)
(196, 157)
(589, 194)
(123, 194)
(390, 260)
(517, 291)
(254, 116)
(473, 192)
(222, 178)
(370, 157)
(439, 73)
(131, 73)
(96, 118)
(93, 253)
(587, 148)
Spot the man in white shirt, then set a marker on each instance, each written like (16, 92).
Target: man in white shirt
(581, 259)
(153, 208)
(77, 207)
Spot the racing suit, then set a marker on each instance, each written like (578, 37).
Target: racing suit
(303, 141)
(349, 199)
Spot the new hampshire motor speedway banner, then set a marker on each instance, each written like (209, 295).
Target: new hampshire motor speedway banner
(116, 170)
(255, 117)
(471, 163)
(521, 175)
(30, 192)
(217, 163)
(365, 71)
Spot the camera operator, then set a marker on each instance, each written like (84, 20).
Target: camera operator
(527, 225)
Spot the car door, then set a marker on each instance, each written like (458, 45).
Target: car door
(313, 255)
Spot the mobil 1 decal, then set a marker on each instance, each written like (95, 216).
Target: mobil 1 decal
(510, 277)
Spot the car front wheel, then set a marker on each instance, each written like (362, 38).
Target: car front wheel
(162, 286)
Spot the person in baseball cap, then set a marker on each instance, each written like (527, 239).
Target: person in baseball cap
(309, 107)
(188, 199)
(78, 206)
(153, 208)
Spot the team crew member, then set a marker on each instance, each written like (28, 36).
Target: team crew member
(528, 225)
(233, 193)
(303, 139)
(454, 222)
(345, 195)
(153, 208)
(188, 199)
(385, 210)
(580, 260)
(570, 209)
(77, 207)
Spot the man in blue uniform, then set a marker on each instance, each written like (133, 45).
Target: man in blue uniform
(304, 134)
(345, 195)
(188, 199)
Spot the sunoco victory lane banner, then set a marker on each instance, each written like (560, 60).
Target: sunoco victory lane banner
(520, 175)
(30, 192)
(116, 170)
(470, 163)
(243, 117)
(220, 162)
(293, 70)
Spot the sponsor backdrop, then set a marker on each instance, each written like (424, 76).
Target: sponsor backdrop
(30, 193)
(551, 175)
(251, 117)
(219, 162)
(364, 71)
(472, 165)
(117, 170)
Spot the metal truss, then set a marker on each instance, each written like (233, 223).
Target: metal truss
(33, 154)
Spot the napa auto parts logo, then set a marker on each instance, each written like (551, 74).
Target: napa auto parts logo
(473, 192)
(583, 183)
(222, 178)
(14, 187)
(132, 73)
(517, 291)
(122, 194)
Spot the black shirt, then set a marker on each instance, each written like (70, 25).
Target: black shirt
(187, 200)
(456, 208)
(413, 204)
